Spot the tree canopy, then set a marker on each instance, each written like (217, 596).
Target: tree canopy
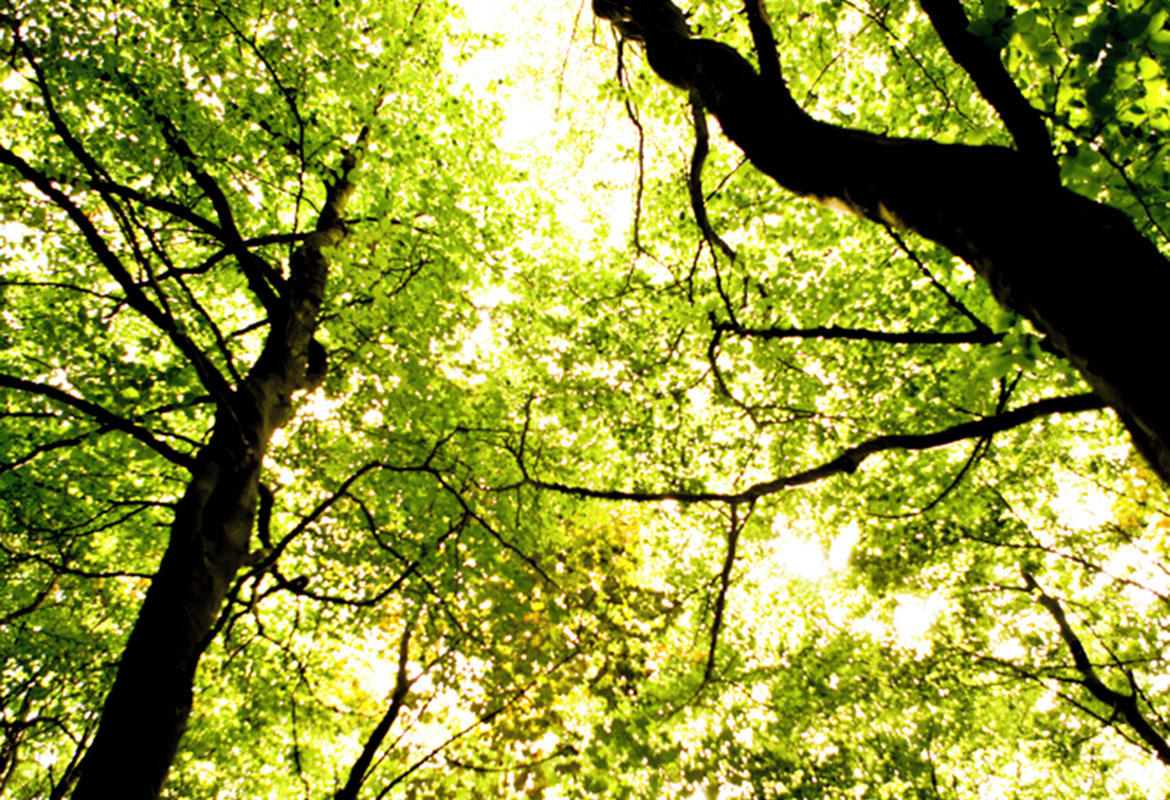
(631, 400)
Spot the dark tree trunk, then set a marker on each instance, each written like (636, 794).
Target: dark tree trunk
(146, 711)
(1079, 270)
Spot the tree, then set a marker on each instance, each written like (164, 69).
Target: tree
(166, 183)
(315, 413)
(1004, 212)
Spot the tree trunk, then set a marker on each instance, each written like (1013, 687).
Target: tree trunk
(146, 711)
(1079, 270)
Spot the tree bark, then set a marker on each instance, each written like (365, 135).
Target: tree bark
(1079, 270)
(146, 711)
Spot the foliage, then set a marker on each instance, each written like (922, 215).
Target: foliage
(524, 526)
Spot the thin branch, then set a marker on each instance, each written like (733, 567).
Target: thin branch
(263, 281)
(47, 447)
(361, 767)
(1123, 704)
(982, 335)
(698, 202)
(724, 583)
(848, 461)
(980, 449)
(695, 178)
(101, 415)
(632, 113)
(220, 255)
(62, 568)
(32, 606)
(879, 20)
(1134, 190)
(488, 717)
(212, 380)
(952, 301)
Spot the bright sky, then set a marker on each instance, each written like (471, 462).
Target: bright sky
(546, 65)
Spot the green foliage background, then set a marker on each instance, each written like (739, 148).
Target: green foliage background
(486, 341)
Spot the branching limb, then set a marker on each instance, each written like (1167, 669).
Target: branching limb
(698, 203)
(361, 767)
(985, 68)
(851, 459)
(263, 281)
(62, 567)
(47, 447)
(765, 43)
(212, 380)
(978, 451)
(512, 700)
(1123, 704)
(102, 415)
(695, 178)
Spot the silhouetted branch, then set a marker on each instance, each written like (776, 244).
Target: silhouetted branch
(1124, 704)
(212, 380)
(848, 461)
(993, 81)
(361, 767)
(101, 415)
(982, 336)
(733, 532)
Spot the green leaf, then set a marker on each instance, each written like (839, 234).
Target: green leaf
(980, 27)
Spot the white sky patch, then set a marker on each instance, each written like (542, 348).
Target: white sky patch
(15, 232)
(800, 555)
(1079, 505)
(318, 405)
(14, 82)
(908, 626)
(913, 618)
(536, 78)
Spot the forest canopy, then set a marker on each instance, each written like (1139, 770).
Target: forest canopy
(634, 399)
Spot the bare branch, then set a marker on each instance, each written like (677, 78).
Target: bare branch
(982, 336)
(361, 767)
(733, 532)
(764, 42)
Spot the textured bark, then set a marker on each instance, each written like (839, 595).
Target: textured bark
(1079, 270)
(146, 711)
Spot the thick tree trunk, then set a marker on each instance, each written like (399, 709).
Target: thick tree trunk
(1077, 269)
(146, 711)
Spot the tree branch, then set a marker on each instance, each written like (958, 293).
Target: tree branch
(848, 461)
(101, 415)
(983, 336)
(263, 281)
(996, 208)
(764, 43)
(361, 767)
(733, 532)
(991, 78)
(1123, 704)
(211, 378)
